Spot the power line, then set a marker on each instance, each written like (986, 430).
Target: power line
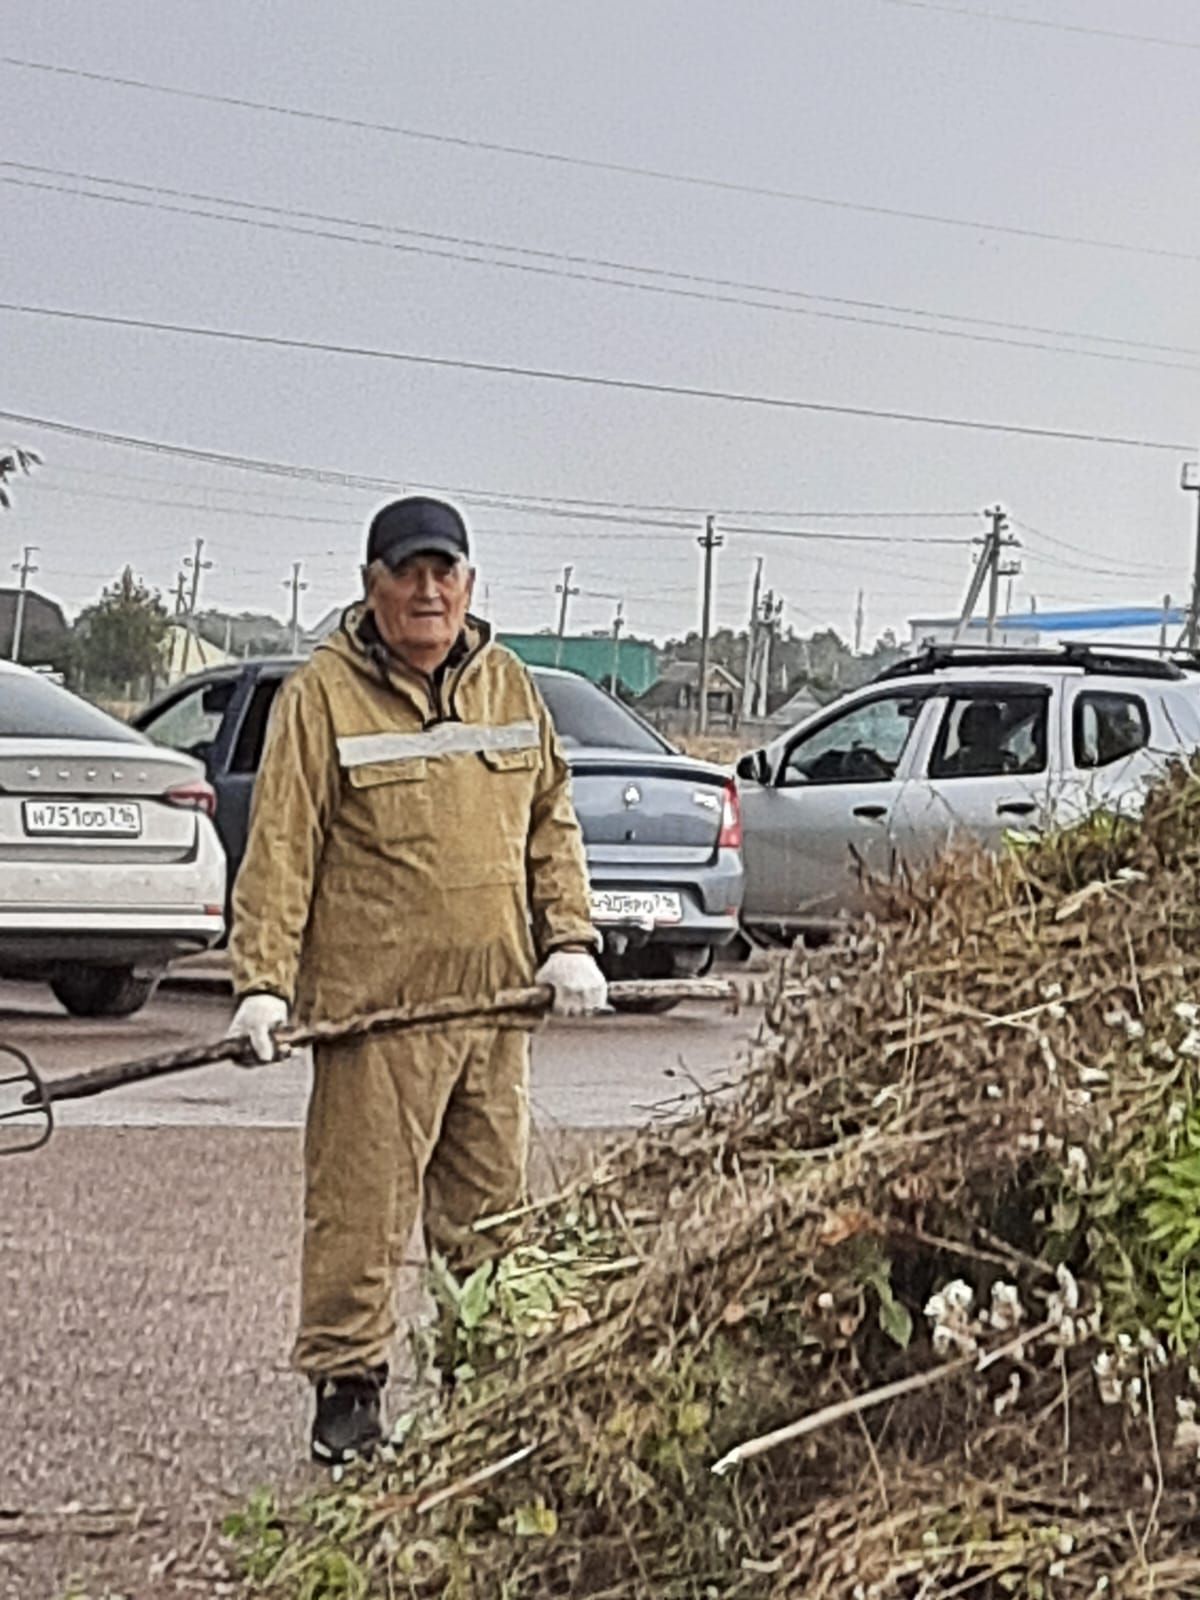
(513, 499)
(469, 493)
(1082, 550)
(1135, 569)
(592, 380)
(239, 512)
(190, 505)
(843, 538)
(570, 273)
(596, 164)
(1044, 22)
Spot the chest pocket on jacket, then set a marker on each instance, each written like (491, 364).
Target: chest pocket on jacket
(489, 804)
(389, 802)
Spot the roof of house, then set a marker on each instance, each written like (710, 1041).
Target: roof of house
(798, 706)
(686, 672)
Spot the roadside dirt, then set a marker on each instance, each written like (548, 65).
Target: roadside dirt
(148, 1279)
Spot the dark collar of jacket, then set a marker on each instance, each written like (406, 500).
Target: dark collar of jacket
(362, 631)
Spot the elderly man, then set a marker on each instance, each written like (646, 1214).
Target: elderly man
(412, 838)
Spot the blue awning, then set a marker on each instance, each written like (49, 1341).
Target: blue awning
(1087, 621)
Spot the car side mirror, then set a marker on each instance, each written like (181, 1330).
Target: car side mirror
(755, 767)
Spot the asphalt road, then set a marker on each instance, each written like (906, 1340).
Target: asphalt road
(148, 1279)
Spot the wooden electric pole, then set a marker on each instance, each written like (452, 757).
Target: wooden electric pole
(25, 567)
(752, 645)
(708, 543)
(198, 565)
(566, 591)
(293, 583)
(1190, 480)
(618, 624)
(989, 570)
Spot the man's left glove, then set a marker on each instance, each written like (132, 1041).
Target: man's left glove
(579, 986)
(256, 1019)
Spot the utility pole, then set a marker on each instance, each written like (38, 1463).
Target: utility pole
(1190, 481)
(180, 594)
(752, 642)
(618, 624)
(988, 568)
(25, 567)
(993, 603)
(567, 592)
(859, 619)
(293, 583)
(198, 565)
(772, 615)
(709, 542)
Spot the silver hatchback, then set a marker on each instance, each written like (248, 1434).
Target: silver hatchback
(951, 744)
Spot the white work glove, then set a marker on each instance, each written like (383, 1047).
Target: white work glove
(256, 1019)
(579, 986)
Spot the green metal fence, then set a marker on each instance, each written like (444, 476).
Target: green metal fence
(636, 662)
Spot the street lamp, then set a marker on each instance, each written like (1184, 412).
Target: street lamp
(1189, 480)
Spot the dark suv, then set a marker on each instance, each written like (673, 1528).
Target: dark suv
(663, 832)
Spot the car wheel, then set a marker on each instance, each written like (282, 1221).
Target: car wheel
(658, 961)
(103, 991)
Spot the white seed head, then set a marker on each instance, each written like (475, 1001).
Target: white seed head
(959, 1295)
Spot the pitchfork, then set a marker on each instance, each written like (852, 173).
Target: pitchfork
(27, 1099)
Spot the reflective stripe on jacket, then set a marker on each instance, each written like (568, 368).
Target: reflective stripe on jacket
(408, 841)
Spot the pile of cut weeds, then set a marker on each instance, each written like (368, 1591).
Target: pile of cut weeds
(945, 1237)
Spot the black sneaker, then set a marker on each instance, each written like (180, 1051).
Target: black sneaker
(347, 1425)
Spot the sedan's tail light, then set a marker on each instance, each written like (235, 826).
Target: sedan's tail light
(730, 837)
(195, 796)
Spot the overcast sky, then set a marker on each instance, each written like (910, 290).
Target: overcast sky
(934, 109)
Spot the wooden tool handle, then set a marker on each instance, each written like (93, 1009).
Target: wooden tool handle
(514, 1003)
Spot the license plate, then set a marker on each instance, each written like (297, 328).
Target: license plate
(648, 908)
(83, 819)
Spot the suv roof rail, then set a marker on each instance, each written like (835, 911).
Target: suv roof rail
(1103, 660)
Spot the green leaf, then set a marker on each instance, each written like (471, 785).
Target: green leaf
(475, 1299)
(894, 1317)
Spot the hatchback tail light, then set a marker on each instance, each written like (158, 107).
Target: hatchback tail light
(730, 837)
(195, 796)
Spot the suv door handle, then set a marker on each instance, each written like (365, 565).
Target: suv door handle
(871, 813)
(1016, 808)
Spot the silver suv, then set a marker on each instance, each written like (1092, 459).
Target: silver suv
(952, 742)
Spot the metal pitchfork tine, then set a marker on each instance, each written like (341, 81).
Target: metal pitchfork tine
(33, 1114)
(31, 1109)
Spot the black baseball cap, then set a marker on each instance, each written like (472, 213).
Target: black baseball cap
(414, 526)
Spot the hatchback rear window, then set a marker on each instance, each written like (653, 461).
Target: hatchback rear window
(34, 708)
(584, 715)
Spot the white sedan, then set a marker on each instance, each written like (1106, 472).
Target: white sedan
(110, 866)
